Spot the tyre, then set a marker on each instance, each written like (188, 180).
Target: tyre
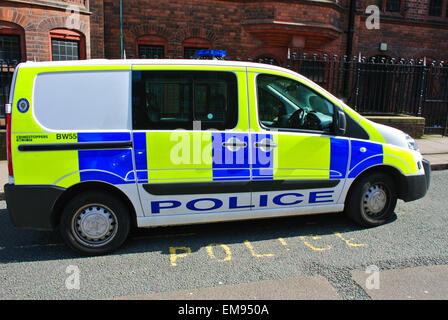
(94, 223)
(372, 200)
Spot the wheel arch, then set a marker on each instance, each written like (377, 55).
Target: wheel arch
(78, 188)
(395, 173)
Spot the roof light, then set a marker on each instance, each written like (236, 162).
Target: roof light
(211, 53)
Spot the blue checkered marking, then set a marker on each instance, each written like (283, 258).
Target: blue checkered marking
(340, 149)
(230, 165)
(141, 163)
(359, 161)
(262, 161)
(110, 166)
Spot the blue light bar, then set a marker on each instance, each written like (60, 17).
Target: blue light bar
(211, 53)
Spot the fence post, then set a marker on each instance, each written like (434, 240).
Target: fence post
(422, 88)
(358, 75)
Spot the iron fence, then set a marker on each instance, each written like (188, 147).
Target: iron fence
(381, 85)
(372, 86)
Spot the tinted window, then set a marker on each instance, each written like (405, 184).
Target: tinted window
(174, 99)
(287, 104)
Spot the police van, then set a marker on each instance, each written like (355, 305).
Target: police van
(96, 147)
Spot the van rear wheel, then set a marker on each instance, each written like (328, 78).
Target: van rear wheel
(94, 223)
(372, 200)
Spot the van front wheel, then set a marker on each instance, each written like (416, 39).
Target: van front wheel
(94, 223)
(372, 200)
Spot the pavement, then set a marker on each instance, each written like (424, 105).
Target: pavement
(433, 148)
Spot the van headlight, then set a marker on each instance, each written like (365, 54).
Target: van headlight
(411, 143)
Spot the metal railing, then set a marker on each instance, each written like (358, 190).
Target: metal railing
(381, 85)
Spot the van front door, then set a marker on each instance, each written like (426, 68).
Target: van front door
(191, 141)
(299, 161)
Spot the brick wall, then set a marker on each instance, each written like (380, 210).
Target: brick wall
(96, 7)
(221, 23)
(37, 20)
(403, 39)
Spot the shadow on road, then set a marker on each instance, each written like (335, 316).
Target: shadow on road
(29, 245)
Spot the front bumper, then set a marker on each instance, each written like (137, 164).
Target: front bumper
(31, 206)
(415, 187)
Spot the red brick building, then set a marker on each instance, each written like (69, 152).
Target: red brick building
(79, 29)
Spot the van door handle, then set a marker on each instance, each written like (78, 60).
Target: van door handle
(265, 145)
(234, 144)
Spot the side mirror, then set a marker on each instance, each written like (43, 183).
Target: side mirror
(342, 123)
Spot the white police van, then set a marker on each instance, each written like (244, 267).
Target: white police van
(97, 146)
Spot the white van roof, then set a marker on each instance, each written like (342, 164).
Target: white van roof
(161, 62)
(167, 62)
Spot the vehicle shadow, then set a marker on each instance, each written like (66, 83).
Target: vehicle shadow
(28, 245)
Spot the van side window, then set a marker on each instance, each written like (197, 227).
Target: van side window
(287, 104)
(171, 100)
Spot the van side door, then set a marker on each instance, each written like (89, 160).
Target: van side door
(191, 140)
(300, 161)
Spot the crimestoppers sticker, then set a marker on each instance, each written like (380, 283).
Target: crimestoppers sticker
(23, 105)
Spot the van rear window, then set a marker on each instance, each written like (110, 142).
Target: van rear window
(169, 100)
(83, 100)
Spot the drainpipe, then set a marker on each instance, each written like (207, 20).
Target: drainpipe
(349, 49)
(121, 29)
(351, 27)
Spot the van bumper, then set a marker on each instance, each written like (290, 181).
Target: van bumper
(417, 186)
(31, 207)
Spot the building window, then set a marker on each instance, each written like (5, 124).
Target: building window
(12, 42)
(435, 8)
(391, 5)
(64, 50)
(67, 45)
(10, 47)
(150, 52)
(151, 47)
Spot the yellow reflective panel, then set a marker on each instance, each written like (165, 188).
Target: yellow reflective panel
(252, 91)
(400, 158)
(24, 122)
(44, 167)
(352, 113)
(301, 157)
(371, 131)
(243, 108)
(179, 156)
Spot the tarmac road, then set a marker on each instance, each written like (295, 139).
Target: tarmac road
(305, 257)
